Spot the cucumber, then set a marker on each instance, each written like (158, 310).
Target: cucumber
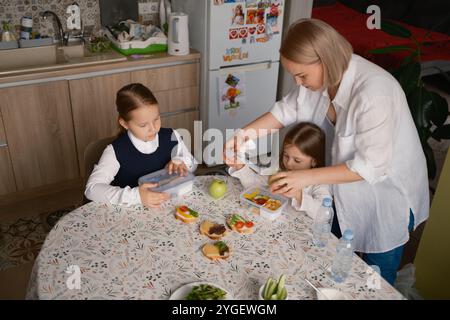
(266, 288)
(271, 290)
(281, 283)
(282, 295)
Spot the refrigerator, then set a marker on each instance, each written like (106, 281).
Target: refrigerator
(239, 42)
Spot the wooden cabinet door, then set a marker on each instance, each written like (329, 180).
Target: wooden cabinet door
(7, 181)
(39, 128)
(176, 88)
(94, 109)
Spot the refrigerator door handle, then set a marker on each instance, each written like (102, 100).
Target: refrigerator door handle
(246, 68)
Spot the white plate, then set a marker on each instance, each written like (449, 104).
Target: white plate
(183, 291)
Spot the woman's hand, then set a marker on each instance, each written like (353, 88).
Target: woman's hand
(151, 198)
(230, 150)
(178, 167)
(288, 183)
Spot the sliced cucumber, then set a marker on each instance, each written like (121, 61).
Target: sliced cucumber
(271, 290)
(282, 295)
(266, 288)
(281, 283)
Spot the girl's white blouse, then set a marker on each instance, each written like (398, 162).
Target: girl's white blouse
(98, 187)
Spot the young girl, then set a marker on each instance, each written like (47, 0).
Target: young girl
(303, 149)
(141, 147)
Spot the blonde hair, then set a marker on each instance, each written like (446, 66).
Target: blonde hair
(309, 41)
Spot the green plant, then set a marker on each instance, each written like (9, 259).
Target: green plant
(99, 44)
(429, 110)
(275, 290)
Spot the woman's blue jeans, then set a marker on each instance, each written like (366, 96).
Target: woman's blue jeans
(389, 261)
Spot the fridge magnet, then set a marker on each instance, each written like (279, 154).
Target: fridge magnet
(260, 18)
(251, 3)
(244, 41)
(234, 54)
(252, 39)
(238, 16)
(261, 28)
(272, 24)
(231, 1)
(218, 2)
(233, 34)
(263, 39)
(243, 33)
(252, 30)
(264, 4)
(232, 93)
(251, 16)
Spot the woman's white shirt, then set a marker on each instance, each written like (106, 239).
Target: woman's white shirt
(312, 196)
(98, 187)
(374, 136)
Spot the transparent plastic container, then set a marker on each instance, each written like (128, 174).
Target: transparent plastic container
(169, 183)
(264, 210)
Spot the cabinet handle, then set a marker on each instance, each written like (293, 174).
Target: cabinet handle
(3, 144)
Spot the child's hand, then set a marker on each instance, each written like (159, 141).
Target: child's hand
(178, 167)
(151, 198)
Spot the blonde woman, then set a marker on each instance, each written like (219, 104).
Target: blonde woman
(375, 162)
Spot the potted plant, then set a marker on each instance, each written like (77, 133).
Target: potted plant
(429, 110)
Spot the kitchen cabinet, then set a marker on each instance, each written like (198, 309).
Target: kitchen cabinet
(46, 124)
(94, 109)
(39, 128)
(7, 181)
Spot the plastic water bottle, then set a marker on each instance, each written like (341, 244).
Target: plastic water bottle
(342, 262)
(322, 223)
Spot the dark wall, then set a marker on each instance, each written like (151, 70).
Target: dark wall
(424, 14)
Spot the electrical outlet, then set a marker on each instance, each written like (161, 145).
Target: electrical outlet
(147, 8)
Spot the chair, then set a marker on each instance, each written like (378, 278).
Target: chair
(92, 155)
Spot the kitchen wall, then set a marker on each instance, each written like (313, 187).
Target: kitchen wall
(14, 10)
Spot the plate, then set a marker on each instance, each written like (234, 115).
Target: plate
(183, 291)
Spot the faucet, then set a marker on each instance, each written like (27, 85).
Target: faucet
(64, 36)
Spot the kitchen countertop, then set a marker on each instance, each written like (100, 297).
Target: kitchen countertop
(82, 70)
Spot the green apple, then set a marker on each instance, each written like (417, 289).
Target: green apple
(217, 188)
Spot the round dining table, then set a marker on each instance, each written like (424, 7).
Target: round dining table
(104, 251)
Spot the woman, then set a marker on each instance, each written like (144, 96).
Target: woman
(375, 164)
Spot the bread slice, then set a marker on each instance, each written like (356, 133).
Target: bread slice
(212, 252)
(243, 230)
(205, 229)
(184, 215)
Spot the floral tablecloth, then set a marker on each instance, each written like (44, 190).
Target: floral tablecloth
(141, 253)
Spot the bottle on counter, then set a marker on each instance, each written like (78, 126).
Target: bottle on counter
(342, 262)
(322, 223)
(26, 26)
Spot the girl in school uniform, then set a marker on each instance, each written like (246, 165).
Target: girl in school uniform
(141, 147)
(303, 149)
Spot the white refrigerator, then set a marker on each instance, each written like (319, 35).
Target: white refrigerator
(239, 42)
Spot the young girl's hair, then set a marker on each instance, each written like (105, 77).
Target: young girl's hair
(309, 41)
(131, 97)
(309, 139)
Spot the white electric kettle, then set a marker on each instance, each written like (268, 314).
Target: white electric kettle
(178, 38)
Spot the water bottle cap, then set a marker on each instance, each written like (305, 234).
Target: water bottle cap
(327, 202)
(348, 234)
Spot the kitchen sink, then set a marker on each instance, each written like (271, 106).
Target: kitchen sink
(54, 57)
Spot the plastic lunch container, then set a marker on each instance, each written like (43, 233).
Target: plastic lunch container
(263, 211)
(170, 183)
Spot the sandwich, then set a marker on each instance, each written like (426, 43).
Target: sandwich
(213, 230)
(216, 251)
(239, 224)
(185, 214)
